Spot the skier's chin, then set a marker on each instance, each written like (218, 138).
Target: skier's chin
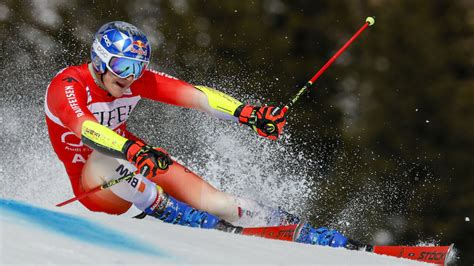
(116, 86)
(117, 90)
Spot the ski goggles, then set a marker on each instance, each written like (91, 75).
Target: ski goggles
(121, 66)
(124, 67)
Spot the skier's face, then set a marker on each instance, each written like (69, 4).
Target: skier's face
(115, 85)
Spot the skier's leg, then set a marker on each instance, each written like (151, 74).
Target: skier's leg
(97, 170)
(190, 188)
(103, 201)
(253, 213)
(184, 185)
(258, 214)
(178, 182)
(140, 191)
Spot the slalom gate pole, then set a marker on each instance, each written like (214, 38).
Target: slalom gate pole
(369, 21)
(98, 188)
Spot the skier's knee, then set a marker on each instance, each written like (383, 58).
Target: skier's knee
(97, 170)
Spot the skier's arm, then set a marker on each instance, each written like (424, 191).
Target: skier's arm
(267, 121)
(149, 161)
(217, 103)
(66, 104)
(165, 88)
(66, 101)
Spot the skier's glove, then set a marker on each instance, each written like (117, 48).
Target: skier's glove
(267, 121)
(149, 161)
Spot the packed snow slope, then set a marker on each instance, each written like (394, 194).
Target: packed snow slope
(70, 235)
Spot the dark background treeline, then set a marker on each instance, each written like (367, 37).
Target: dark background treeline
(392, 119)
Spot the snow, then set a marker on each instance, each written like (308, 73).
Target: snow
(71, 235)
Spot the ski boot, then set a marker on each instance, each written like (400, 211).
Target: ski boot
(170, 210)
(321, 236)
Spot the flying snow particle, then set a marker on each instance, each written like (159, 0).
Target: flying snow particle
(467, 219)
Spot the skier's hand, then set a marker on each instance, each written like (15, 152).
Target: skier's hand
(150, 161)
(267, 121)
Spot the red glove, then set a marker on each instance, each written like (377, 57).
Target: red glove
(149, 161)
(267, 121)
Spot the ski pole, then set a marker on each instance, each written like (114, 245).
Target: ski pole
(98, 188)
(369, 21)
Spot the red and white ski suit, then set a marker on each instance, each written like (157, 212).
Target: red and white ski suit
(73, 97)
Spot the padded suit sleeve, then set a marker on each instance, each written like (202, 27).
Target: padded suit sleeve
(105, 140)
(164, 88)
(66, 102)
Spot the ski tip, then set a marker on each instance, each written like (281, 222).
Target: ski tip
(439, 255)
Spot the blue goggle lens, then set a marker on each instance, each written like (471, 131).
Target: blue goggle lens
(125, 67)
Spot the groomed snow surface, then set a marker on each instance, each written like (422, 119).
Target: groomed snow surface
(70, 235)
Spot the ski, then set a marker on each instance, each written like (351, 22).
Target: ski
(283, 232)
(431, 254)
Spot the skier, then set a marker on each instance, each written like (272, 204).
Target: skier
(87, 107)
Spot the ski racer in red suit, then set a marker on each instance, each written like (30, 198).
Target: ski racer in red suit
(87, 107)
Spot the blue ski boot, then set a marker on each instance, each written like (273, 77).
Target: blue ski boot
(170, 210)
(321, 236)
